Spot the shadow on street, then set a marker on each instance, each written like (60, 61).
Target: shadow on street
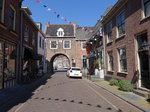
(21, 94)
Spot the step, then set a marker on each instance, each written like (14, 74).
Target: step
(141, 93)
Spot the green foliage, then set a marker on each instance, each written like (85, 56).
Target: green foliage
(148, 97)
(114, 82)
(126, 85)
(96, 63)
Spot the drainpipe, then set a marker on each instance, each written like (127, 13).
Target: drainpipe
(20, 49)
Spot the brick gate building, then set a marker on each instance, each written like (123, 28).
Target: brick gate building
(66, 40)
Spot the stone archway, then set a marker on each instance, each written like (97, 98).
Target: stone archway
(51, 62)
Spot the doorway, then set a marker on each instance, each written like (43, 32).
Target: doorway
(143, 52)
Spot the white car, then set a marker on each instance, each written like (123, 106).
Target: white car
(74, 72)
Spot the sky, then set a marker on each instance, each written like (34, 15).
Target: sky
(83, 12)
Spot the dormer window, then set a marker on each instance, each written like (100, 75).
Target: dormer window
(60, 32)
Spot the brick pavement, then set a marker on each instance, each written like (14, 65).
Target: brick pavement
(136, 100)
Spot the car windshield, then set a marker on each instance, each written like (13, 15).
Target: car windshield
(77, 69)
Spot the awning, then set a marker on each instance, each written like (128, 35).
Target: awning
(30, 54)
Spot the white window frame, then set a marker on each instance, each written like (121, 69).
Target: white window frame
(14, 22)
(64, 44)
(2, 16)
(82, 45)
(56, 44)
(120, 68)
(144, 9)
(120, 35)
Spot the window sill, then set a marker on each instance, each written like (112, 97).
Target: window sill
(109, 43)
(120, 37)
(14, 33)
(53, 48)
(2, 26)
(145, 19)
(110, 71)
(67, 48)
(122, 74)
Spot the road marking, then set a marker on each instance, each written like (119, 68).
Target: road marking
(25, 102)
(101, 96)
(38, 89)
(19, 107)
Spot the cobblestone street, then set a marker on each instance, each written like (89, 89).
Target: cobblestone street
(63, 94)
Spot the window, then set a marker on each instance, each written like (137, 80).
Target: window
(67, 44)
(26, 33)
(109, 32)
(43, 44)
(84, 61)
(12, 17)
(1, 10)
(146, 7)
(83, 45)
(53, 44)
(60, 32)
(121, 24)
(110, 61)
(122, 59)
(40, 42)
(33, 38)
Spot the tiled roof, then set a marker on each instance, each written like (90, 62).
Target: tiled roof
(82, 33)
(52, 30)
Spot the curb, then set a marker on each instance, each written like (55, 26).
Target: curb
(136, 105)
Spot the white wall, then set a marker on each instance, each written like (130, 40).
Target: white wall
(42, 51)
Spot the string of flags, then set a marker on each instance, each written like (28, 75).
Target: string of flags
(54, 12)
(61, 17)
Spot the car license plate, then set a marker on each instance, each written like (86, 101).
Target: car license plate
(76, 74)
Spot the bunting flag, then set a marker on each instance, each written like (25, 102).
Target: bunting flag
(49, 9)
(65, 19)
(53, 11)
(58, 16)
(61, 17)
(37, 1)
(44, 5)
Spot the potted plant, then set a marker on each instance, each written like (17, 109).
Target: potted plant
(96, 66)
(99, 68)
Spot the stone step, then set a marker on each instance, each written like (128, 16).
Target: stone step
(141, 93)
(95, 78)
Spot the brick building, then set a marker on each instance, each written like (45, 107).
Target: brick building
(127, 34)
(65, 40)
(9, 39)
(29, 45)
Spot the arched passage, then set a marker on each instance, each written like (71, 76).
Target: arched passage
(56, 61)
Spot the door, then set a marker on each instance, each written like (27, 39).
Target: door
(144, 57)
(144, 66)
